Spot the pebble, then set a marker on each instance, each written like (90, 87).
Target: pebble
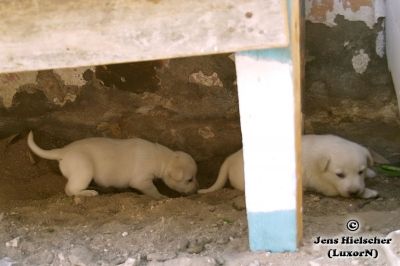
(80, 255)
(185, 261)
(6, 261)
(131, 262)
(14, 242)
(315, 262)
(161, 256)
(212, 209)
(45, 257)
(196, 247)
(183, 244)
(222, 240)
(124, 234)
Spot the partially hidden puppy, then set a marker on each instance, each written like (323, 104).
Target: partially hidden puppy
(232, 169)
(332, 166)
(335, 166)
(121, 163)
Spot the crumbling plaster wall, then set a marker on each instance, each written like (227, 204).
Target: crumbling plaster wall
(348, 88)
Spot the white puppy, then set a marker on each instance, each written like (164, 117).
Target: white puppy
(332, 166)
(335, 166)
(231, 169)
(121, 163)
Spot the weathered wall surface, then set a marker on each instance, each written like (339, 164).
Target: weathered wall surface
(189, 104)
(348, 88)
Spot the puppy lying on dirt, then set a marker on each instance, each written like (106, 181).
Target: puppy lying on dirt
(121, 163)
(335, 166)
(332, 166)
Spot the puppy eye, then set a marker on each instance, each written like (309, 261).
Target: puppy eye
(360, 172)
(340, 175)
(190, 180)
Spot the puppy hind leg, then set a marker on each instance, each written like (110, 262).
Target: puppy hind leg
(77, 184)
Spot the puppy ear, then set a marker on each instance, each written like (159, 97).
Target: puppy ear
(370, 160)
(324, 163)
(177, 175)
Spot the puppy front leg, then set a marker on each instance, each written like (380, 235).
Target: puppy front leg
(149, 189)
(369, 193)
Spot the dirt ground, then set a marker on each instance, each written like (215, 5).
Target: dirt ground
(40, 225)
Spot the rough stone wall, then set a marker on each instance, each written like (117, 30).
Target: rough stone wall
(348, 88)
(188, 104)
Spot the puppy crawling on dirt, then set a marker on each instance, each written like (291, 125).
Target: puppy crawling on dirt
(332, 166)
(232, 169)
(335, 166)
(121, 163)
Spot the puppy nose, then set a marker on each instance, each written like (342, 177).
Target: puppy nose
(354, 193)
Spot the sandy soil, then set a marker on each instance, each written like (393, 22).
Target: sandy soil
(42, 226)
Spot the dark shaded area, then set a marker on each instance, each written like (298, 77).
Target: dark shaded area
(134, 77)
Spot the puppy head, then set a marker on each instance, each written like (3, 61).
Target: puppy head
(180, 173)
(346, 168)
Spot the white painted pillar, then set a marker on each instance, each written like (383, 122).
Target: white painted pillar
(267, 114)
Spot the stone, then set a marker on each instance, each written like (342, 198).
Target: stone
(186, 261)
(14, 242)
(81, 256)
(158, 256)
(6, 261)
(131, 262)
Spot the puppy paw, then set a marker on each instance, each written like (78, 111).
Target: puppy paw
(88, 193)
(369, 193)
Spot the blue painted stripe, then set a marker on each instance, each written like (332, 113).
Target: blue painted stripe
(273, 231)
(278, 54)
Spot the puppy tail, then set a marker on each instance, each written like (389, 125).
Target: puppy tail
(47, 154)
(221, 179)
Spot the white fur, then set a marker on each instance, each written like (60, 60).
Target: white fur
(121, 163)
(232, 169)
(326, 157)
(323, 157)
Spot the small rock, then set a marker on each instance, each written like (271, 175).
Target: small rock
(13, 243)
(81, 256)
(131, 262)
(45, 257)
(185, 261)
(183, 244)
(124, 234)
(315, 262)
(222, 240)
(212, 209)
(196, 247)
(6, 261)
(161, 256)
(315, 198)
